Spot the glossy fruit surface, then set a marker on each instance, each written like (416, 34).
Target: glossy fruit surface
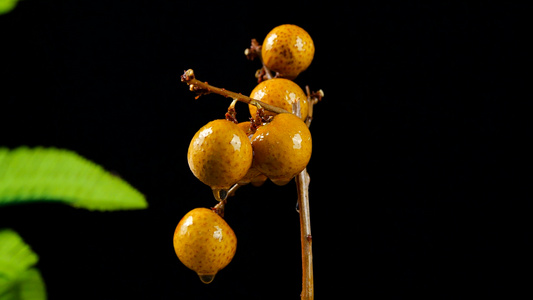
(254, 177)
(279, 92)
(246, 128)
(204, 242)
(282, 148)
(288, 49)
(220, 154)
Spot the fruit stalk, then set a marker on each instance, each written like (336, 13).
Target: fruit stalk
(302, 184)
(312, 98)
(255, 51)
(203, 88)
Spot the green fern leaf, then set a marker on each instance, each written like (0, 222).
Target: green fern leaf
(28, 286)
(7, 6)
(18, 280)
(50, 174)
(15, 255)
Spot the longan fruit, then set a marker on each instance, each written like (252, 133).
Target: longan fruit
(204, 242)
(279, 92)
(288, 49)
(220, 154)
(282, 148)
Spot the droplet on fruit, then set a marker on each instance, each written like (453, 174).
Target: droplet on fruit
(206, 278)
(204, 243)
(220, 194)
(220, 154)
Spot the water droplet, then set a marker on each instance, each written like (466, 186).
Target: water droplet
(206, 278)
(220, 194)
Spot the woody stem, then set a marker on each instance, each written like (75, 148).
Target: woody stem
(204, 88)
(302, 186)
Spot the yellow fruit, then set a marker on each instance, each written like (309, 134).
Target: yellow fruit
(288, 50)
(204, 243)
(246, 128)
(282, 148)
(279, 92)
(220, 154)
(254, 177)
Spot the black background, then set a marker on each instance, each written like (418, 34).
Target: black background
(409, 144)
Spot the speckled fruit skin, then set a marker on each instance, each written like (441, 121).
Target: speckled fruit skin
(282, 148)
(204, 242)
(288, 49)
(246, 128)
(220, 154)
(279, 92)
(253, 176)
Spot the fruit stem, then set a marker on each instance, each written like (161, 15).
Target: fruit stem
(302, 184)
(203, 88)
(231, 115)
(221, 205)
(253, 52)
(312, 98)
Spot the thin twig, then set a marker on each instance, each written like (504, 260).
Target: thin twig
(302, 185)
(253, 52)
(203, 88)
(312, 98)
(221, 205)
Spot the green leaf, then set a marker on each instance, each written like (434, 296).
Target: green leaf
(15, 255)
(7, 6)
(28, 286)
(50, 174)
(18, 280)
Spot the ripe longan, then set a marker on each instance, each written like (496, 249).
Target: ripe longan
(220, 154)
(282, 148)
(253, 176)
(288, 49)
(204, 242)
(279, 92)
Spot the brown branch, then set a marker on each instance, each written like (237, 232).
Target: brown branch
(221, 205)
(203, 88)
(255, 52)
(302, 185)
(312, 98)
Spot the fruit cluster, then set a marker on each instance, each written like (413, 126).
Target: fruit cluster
(224, 153)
